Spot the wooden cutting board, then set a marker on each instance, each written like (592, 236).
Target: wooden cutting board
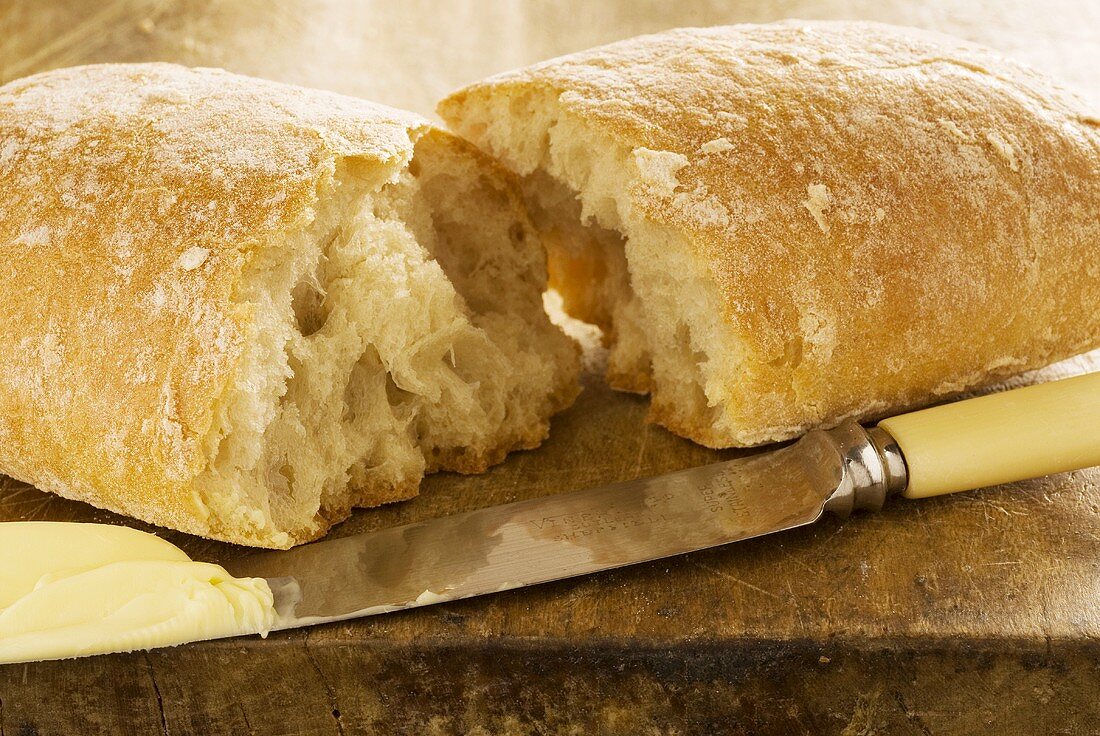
(964, 614)
(948, 615)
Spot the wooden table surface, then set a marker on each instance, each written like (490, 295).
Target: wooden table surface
(959, 615)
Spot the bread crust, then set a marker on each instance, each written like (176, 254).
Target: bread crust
(132, 199)
(888, 216)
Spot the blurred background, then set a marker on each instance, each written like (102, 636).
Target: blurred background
(409, 53)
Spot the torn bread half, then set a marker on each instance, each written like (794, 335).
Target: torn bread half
(239, 308)
(782, 226)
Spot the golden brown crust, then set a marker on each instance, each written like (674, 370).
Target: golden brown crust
(132, 198)
(889, 216)
(110, 176)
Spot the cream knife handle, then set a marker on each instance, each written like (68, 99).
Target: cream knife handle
(1003, 437)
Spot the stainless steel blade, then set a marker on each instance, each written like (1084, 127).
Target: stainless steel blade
(561, 536)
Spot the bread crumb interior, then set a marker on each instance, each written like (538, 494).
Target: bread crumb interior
(638, 281)
(401, 332)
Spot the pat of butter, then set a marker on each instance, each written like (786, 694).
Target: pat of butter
(70, 590)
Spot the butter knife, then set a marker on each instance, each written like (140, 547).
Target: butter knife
(999, 438)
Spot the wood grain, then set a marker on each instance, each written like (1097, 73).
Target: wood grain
(957, 615)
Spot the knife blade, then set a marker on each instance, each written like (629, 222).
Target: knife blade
(542, 539)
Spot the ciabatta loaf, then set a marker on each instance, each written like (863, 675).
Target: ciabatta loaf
(239, 308)
(781, 226)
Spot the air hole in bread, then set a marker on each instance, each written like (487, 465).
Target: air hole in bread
(401, 332)
(308, 304)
